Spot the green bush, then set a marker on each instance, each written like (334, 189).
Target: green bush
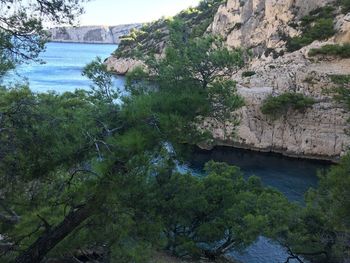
(297, 43)
(321, 29)
(318, 25)
(340, 79)
(345, 4)
(197, 20)
(319, 13)
(280, 105)
(247, 74)
(341, 94)
(342, 51)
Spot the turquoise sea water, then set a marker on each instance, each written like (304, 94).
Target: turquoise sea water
(62, 72)
(62, 69)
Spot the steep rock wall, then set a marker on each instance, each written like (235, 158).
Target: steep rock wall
(320, 132)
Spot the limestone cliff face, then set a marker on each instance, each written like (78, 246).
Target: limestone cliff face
(261, 24)
(121, 66)
(320, 132)
(91, 34)
(262, 27)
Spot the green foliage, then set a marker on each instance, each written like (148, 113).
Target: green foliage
(48, 142)
(148, 40)
(97, 72)
(321, 29)
(318, 25)
(62, 152)
(342, 92)
(247, 74)
(345, 4)
(190, 82)
(342, 51)
(32, 149)
(297, 43)
(340, 79)
(212, 214)
(280, 105)
(321, 232)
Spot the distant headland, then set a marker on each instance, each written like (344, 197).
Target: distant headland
(91, 34)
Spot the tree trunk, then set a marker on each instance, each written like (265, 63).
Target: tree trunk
(221, 250)
(38, 250)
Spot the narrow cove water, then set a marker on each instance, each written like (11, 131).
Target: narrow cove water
(293, 177)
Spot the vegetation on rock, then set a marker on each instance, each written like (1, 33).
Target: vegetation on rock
(345, 5)
(342, 51)
(151, 38)
(318, 25)
(247, 74)
(342, 92)
(280, 105)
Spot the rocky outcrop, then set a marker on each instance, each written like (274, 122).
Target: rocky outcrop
(263, 27)
(264, 24)
(121, 66)
(91, 34)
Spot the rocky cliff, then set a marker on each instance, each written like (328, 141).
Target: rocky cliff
(273, 32)
(91, 34)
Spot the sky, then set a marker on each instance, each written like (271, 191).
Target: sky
(116, 12)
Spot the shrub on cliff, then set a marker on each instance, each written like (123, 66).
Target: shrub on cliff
(320, 29)
(345, 4)
(247, 74)
(318, 25)
(279, 105)
(342, 51)
(342, 92)
(197, 21)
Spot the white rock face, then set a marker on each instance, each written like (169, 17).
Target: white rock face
(320, 132)
(121, 66)
(91, 34)
(260, 23)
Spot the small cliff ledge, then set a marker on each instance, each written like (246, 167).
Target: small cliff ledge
(267, 28)
(91, 34)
